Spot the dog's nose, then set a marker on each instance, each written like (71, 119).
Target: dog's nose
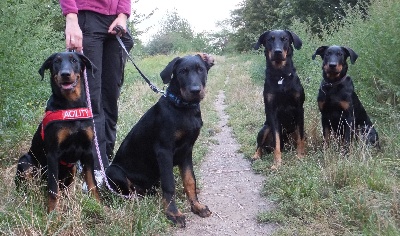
(65, 73)
(278, 51)
(332, 64)
(195, 89)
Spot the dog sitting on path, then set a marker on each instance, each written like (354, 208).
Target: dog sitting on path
(283, 96)
(341, 110)
(164, 137)
(65, 135)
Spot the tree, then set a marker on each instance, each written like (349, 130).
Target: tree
(255, 16)
(175, 35)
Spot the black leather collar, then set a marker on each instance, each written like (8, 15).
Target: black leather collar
(178, 102)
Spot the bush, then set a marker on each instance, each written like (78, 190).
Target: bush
(24, 46)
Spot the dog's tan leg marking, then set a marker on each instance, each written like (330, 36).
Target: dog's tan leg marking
(174, 214)
(300, 143)
(259, 152)
(277, 152)
(189, 184)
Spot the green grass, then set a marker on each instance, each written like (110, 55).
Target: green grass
(324, 193)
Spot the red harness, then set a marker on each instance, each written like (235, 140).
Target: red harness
(63, 115)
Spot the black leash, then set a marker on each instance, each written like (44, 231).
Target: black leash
(118, 29)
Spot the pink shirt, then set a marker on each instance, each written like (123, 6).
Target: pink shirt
(105, 7)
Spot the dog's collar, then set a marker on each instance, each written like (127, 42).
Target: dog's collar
(331, 85)
(328, 84)
(63, 115)
(179, 102)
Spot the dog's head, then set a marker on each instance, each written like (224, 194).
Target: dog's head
(187, 76)
(334, 58)
(66, 70)
(278, 46)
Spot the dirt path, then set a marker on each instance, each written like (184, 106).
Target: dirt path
(229, 188)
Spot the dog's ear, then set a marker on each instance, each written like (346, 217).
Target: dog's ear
(208, 60)
(46, 65)
(297, 43)
(320, 51)
(166, 74)
(260, 40)
(87, 63)
(350, 53)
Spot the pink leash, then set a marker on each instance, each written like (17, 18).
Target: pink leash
(102, 170)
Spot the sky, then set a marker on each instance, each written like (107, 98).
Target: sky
(202, 15)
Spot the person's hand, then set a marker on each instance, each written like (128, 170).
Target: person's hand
(73, 33)
(119, 21)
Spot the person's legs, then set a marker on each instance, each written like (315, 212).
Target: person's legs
(94, 31)
(114, 59)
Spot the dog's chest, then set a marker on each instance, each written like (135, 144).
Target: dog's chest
(333, 97)
(188, 129)
(70, 134)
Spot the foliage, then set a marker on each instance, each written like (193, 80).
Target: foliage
(176, 35)
(24, 46)
(255, 16)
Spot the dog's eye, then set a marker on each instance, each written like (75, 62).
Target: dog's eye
(73, 60)
(283, 39)
(200, 69)
(183, 71)
(339, 54)
(271, 39)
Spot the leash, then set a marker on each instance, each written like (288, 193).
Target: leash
(96, 142)
(118, 29)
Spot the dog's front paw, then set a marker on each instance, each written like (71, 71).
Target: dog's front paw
(277, 164)
(257, 155)
(178, 219)
(201, 210)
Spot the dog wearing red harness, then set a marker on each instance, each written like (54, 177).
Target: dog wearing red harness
(66, 133)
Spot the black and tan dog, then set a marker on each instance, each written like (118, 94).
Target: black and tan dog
(283, 96)
(164, 137)
(65, 135)
(341, 110)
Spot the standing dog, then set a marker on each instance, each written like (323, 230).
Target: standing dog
(65, 135)
(164, 137)
(341, 109)
(283, 96)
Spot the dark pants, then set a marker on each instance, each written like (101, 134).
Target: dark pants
(107, 55)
